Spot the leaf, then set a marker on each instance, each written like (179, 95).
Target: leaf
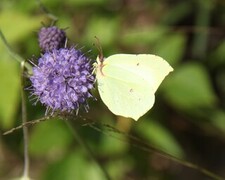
(27, 24)
(112, 146)
(200, 39)
(117, 168)
(217, 57)
(106, 29)
(218, 119)
(74, 166)
(10, 76)
(106, 142)
(160, 137)
(86, 2)
(171, 48)
(49, 138)
(177, 12)
(189, 87)
(9, 91)
(140, 35)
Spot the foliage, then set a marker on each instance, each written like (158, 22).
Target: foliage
(187, 120)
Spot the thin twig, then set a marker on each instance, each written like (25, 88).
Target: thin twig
(28, 123)
(150, 148)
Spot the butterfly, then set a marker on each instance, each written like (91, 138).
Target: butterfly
(127, 82)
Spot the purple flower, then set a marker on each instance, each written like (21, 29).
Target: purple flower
(62, 80)
(51, 38)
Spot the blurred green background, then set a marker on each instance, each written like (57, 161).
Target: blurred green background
(187, 120)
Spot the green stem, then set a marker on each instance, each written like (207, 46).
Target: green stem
(25, 129)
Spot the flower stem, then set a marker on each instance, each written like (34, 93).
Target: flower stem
(24, 119)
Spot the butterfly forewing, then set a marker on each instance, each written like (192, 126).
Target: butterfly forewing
(127, 83)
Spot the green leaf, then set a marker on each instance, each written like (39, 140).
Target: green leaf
(118, 167)
(74, 166)
(140, 35)
(109, 143)
(106, 29)
(9, 91)
(171, 48)
(217, 57)
(189, 87)
(26, 24)
(200, 40)
(159, 137)
(112, 146)
(10, 76)
(218, 119)
(86, 2)
(177, 12)
(49, 138)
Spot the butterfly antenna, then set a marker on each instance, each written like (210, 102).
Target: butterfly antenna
(66, 41)
(99, 49)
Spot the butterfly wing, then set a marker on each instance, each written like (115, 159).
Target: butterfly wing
(127, 83)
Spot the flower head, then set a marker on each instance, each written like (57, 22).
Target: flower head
(62, 80)
(51, 38)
